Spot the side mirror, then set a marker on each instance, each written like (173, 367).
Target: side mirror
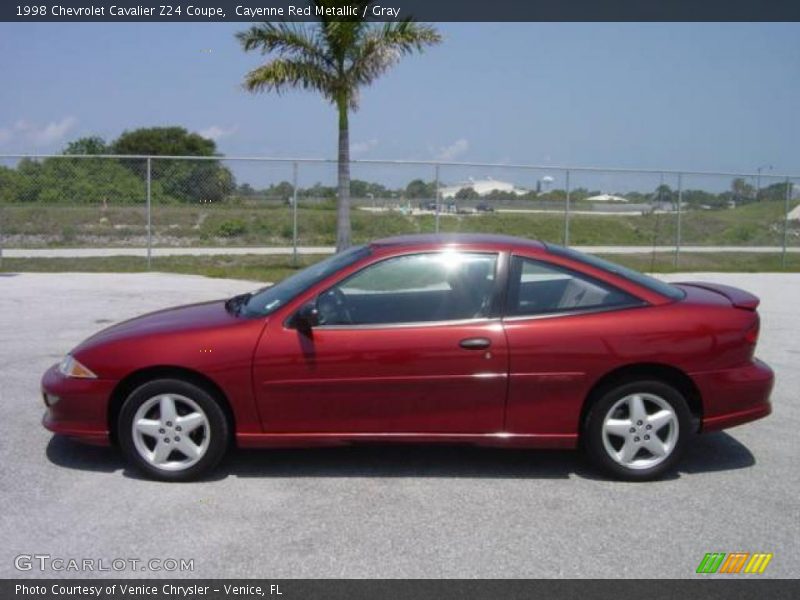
(306, 318)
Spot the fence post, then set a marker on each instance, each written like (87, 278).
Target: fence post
(149, 218)
(1, 232)
(786, 202)
(436, 199)
(2, 214)
(294, 213)
(566, 211)
(678, 224)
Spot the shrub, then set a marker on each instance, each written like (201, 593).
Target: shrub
(231, 228)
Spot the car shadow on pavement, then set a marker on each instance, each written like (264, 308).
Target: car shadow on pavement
(424, 460)
(717, 451)
(64, 452)
(708, 453)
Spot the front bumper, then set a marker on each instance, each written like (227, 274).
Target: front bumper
(735, 396)
(81, 411)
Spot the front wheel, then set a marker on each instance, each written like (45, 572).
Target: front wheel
(172, 430)
(637, 431)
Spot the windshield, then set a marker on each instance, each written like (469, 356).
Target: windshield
(270, 299)
(651, 283)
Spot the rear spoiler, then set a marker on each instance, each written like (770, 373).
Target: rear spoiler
(737, 297)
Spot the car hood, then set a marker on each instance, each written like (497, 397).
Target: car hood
(192, 317)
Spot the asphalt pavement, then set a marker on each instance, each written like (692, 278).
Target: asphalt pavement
(403, 511)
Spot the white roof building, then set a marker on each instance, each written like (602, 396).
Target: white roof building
(606, 198)
(483, 187)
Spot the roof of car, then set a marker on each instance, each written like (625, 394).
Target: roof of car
(435, 239)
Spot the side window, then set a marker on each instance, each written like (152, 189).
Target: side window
(439, 286)
(537, 287)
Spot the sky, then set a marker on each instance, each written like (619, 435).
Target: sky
(704, 96)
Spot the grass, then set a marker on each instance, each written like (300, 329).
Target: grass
(722, 262)
(231, 225)
(271, 225)
(274, 268)
(250, 266)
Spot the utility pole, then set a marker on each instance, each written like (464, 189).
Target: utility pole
(758, 178)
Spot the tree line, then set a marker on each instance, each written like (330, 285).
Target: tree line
(122, 181)
(739, 193)
(86, 180)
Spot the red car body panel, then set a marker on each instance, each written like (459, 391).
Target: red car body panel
(413, 382)
(81, 411)
(202, 338)
(381, 380)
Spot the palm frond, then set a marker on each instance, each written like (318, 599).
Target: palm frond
(336, 57)
(281, 74)
(340, 37)
(285, 39)
(383, 46)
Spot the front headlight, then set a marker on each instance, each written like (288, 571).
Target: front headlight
(70, 367)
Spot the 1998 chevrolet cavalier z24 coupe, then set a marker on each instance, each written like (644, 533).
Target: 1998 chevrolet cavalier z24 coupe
(480, 339)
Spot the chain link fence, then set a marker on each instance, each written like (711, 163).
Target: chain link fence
(74, 206)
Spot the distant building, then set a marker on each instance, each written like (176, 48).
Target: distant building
(606, 198)
(483, 187)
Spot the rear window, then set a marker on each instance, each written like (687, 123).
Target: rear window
(651, 283)
(537, 288)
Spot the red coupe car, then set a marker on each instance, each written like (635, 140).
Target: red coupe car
(467, 338)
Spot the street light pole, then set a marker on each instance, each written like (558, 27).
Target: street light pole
(438, 209)
(294, 214)
(758, 178)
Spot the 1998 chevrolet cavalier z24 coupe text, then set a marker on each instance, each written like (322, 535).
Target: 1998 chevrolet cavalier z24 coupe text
(480, 339)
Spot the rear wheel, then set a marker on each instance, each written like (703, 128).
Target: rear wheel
(172, 430)
(638, 430)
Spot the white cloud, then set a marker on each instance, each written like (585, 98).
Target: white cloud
(362, 147)
(453, 151)
(215, 132)
(24, 133)
(52, 132)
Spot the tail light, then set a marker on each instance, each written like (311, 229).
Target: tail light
(751, 335)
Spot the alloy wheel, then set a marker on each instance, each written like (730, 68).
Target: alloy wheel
(640, 431)
(171, 432)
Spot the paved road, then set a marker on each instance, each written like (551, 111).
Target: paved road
(288, 250)
(385, 511)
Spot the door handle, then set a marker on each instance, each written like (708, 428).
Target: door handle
(478, 343)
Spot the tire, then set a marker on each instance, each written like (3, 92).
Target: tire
(172, 430)
(632, 445)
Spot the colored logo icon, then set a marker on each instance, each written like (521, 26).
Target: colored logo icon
(734, 562)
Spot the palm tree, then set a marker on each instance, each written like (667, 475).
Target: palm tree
(336, 57)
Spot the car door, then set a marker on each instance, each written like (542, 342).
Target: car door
(561, 327)
(405, 345)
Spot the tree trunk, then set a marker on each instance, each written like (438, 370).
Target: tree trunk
(343, 204)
